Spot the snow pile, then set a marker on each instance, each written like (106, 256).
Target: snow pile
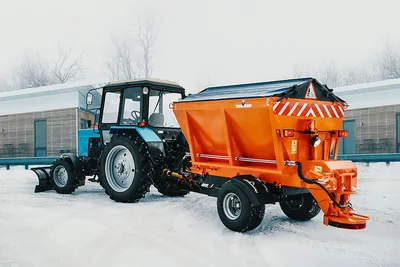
(88, 229)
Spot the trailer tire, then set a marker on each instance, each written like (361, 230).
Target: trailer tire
(62, 176)
(302, 209)
(236, 210)
(126, 169)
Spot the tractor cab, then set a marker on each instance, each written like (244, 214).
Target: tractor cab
(139, 104)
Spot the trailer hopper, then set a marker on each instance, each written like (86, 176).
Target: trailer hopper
(285, 134)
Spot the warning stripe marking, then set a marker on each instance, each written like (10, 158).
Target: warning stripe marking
(334, 111)
(293, 108)
(327, 111)
(283, 109)
(302, 109)
(308, 109)
(319, 111)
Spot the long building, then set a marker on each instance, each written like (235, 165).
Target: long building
(372, 118)
(43, 121)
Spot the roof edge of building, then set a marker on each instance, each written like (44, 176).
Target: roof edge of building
(9, 95)
(389, 83)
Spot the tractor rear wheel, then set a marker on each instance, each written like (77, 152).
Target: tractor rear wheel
(301, 207)
(62, 176)
(235, 209)
(125, 169)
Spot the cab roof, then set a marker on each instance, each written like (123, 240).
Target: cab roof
(150, 81)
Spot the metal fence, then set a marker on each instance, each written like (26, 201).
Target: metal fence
(7, 162)
(367, 158)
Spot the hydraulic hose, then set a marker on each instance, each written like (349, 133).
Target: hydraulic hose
(311, 181)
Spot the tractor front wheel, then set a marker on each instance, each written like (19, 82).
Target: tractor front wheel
(300, 207)
(62, 176)
(125, 169)
(235, 209)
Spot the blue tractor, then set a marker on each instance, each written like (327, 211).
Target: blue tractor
(126, 149)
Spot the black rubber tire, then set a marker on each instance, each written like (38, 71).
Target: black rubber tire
(143, 169)
(168, 188)
(70, 186)
(172, 190)
(302, 209)
(250, 217)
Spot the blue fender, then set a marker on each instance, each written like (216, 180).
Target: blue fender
(147, 134)
(156, 146)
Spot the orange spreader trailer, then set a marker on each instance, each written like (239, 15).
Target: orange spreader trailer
(282, 137)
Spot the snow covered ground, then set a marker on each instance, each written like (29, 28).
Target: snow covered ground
(88, 229)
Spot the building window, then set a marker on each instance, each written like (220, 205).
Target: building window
(84, 124)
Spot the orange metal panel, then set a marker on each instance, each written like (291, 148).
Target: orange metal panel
(232, 129)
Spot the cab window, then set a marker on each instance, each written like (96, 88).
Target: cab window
(131, 113)
(111, 107)
(160, 115)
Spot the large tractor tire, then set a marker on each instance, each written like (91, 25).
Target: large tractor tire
(300, 208)
(126, 169)
(62, 176)
(235, 209)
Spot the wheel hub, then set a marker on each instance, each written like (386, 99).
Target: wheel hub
(295, 204)
(120, 168)
(60, 176)
(232, 206)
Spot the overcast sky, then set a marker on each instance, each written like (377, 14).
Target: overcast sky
(204, 42)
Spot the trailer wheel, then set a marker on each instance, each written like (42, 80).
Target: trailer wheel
(301, 207)
(62, 176)
(236, 210)
(125, 169)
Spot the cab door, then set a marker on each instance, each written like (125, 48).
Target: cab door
(109, 115)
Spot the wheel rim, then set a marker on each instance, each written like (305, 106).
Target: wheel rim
(60, 176)
(295, 204)
(232, 206)
(120, 168)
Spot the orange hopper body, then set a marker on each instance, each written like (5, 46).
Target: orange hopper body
(268, 135)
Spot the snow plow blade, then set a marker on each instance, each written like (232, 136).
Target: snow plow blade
(43, 174)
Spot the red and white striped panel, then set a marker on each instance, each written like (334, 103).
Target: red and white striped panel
(308, 109)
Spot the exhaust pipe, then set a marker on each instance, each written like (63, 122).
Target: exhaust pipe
(43, 174)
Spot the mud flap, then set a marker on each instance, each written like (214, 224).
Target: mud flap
(43, 174)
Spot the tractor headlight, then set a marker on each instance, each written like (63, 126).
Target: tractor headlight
(145, 90)
(315, 141)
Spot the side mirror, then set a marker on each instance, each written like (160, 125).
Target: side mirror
(89, 99)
